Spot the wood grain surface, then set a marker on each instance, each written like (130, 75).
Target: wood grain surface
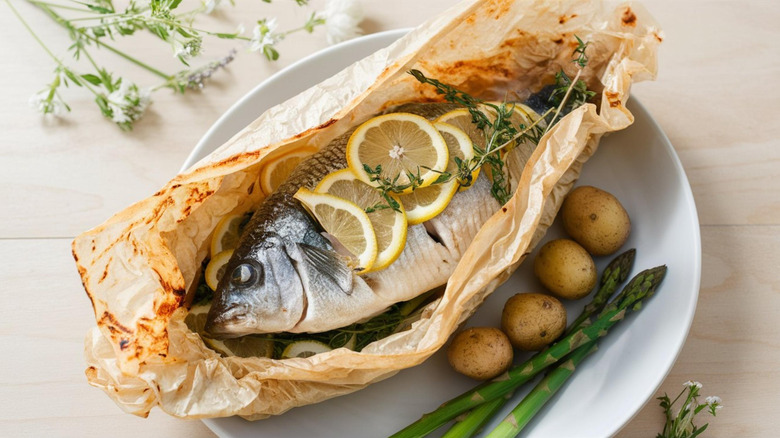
(715, 97)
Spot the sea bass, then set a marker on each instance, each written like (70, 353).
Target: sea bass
(285, 276)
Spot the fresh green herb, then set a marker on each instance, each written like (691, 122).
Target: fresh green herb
(569, 94)
(499, 133)
(396, 318)
(203, 294)
(681, 425)
(387, 185)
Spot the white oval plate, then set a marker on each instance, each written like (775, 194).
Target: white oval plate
(637, 165)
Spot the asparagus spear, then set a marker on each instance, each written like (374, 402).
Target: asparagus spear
(630, 298)
(542, 392)
(476, 419)
(614, 274)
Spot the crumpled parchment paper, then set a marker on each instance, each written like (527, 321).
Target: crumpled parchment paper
(138, 267)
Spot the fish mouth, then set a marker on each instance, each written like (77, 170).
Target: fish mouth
(227, 323)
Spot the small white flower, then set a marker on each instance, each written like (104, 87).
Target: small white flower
(692, 384)
(263, 35)
(342, 20)
(187, 49)
(714, 402)
(40, 102)
(127, 103)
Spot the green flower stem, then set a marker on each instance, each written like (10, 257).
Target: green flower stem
(172, 24)
(73, 77)
(60, 6)
(64, 23)
(522, 414)
(475, 419)
(630, 299)
(29, 29)
(614, 274)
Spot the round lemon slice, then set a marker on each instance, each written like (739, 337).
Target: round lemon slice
(227, 232)
(216, 268)
(461, 119)
(245, 346)
(389, 225)
(345, 221)
(305, 349)
(276, 171)
(397, 144)
(196, 318)
(425, 203)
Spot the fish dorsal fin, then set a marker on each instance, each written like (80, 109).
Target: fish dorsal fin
(328, 264)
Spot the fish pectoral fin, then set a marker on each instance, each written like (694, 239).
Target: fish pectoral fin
(327, 264)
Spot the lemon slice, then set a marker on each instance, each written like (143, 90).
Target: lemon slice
(305, 349)
(216, 268)
(522, 117)
(227, 232)
(400, 143)
(389, 225)
(245, 346)
(279, 169)
(345, 221)
(461, 119)
(425, 203)
(196, 318)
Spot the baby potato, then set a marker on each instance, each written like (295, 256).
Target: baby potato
(596, 220)
(532, 321)
(480, 352)
(565, 269)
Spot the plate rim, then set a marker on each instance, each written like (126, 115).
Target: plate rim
(394, 34)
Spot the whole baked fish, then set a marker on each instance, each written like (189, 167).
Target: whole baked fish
(285, 276)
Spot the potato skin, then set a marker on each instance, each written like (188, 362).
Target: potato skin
(532, 321)
(480, 352)
(566, 269)
(596, 220)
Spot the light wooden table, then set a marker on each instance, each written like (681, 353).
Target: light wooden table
(716, 97)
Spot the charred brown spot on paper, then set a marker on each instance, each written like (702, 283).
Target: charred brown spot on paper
(629, 17)
(112, 324)
(105, 272)
(498, 10)
(613, 98)
(564, 18)
(474, 76)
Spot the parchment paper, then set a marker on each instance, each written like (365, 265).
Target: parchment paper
(138, 267)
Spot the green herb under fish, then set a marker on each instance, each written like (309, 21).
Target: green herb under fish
(359, 335)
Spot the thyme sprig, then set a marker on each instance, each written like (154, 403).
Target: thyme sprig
(386, 185)
(574, 91)
(499, 131)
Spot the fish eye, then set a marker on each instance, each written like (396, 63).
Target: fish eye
(244, 275)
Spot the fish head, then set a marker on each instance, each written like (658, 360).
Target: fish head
(260, 292)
